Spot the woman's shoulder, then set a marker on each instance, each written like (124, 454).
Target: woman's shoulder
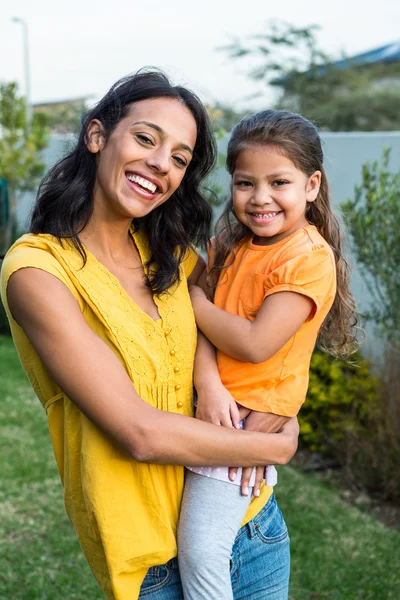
(40, 251)
(29, 243)
(32, 250)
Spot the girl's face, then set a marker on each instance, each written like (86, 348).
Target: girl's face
(144, 159)
(270, 194)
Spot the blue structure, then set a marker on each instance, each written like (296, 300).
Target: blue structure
(384, 54)
(4, 203)
(390, 53)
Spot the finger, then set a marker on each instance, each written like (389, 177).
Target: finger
(235, 415)
(257, 484)
(246, 474)
(244, 412)
(226, 421)
(232, 472)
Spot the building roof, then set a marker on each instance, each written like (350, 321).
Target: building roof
(71, 101)
(389, 53)
(386, 54)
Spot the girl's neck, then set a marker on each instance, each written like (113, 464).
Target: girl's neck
(279, 237)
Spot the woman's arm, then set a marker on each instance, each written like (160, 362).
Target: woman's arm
(91, 375)
(278, 319)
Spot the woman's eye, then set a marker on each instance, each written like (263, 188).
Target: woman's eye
(144, 138)
(181, 161)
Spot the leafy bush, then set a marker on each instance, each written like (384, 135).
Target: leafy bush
(335, 388)
(354, 417)
(4, 326)
(373, 219)
(370, 449)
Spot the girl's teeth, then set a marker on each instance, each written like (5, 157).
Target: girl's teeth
(265, 216)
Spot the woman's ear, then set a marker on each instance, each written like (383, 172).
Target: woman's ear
(95, 138)
(313, 185)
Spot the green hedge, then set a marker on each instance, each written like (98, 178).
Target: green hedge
(338, 392)
(4, 325)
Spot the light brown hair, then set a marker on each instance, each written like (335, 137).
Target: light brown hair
(297, 139)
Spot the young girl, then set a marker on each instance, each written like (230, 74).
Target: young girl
(279, 281)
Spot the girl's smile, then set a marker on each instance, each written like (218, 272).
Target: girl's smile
(270, 194)
(261, 218)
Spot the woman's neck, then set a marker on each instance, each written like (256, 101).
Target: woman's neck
(108, 240)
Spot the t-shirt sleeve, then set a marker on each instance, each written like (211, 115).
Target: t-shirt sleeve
(23, 257)
(311, 274)
(190, 260)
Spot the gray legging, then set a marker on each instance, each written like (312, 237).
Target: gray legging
(211, 514)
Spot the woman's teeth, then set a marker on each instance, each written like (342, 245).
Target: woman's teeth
(143, 182)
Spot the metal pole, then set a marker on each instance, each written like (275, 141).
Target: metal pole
(28, 104)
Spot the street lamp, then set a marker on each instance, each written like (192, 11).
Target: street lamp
(27, 70)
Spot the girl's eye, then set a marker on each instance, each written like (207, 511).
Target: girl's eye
(279, 182)
(181, 161)
(243, 183)
(144, 139)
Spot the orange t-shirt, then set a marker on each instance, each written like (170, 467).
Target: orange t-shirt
(302, 263)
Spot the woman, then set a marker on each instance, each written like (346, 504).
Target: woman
(97, 297)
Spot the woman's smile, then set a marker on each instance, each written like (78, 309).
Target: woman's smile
(143, 161)
(143, 185)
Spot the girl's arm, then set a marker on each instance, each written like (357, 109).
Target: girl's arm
(93, 378)
(214, 403)
(278, 319)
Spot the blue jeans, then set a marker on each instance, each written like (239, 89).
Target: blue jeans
(260, 563)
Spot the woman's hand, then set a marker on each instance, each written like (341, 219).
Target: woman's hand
(266, 423)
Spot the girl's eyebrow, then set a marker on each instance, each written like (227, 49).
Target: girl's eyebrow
(162, 132)
(270, 175)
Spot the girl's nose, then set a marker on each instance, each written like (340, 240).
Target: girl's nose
(261, 197)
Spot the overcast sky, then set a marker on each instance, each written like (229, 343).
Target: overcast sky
(85, 52)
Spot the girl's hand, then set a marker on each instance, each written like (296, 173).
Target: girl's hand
(216, 405)
(196, 292)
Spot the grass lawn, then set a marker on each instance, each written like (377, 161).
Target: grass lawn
(338, 552)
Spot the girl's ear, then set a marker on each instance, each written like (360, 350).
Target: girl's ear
(313, 186)
(95, 138)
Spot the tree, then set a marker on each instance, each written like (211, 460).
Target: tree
(309, 81)
(211, 189)
(20, 146)
(63, 117)
(372, 218)
(224, 117)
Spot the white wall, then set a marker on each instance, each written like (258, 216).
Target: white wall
(344, 155)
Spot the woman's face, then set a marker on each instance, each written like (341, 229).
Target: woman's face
(144, 159)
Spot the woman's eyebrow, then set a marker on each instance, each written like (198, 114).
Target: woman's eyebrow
(162, 132)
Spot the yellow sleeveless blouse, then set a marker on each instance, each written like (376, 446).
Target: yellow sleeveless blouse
(125, 513)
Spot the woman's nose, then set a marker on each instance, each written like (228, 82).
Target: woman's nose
(159, 160)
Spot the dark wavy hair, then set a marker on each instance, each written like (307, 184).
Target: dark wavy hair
(64, 201)
(297, 139)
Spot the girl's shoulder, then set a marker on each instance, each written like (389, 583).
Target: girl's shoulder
(307, 242)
